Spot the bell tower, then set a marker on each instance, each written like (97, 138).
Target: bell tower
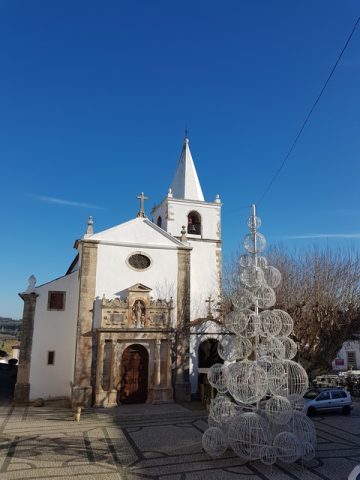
(186, 215)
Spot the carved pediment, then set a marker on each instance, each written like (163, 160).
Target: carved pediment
(139, 287)
(138, 310)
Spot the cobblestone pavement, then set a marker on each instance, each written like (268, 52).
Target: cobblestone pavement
(151, 442)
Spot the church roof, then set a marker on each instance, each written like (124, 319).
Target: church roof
(139, 231)
(186, 183)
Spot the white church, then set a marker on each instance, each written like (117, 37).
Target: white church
(135, 312)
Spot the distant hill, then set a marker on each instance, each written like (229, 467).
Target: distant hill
(9, 326)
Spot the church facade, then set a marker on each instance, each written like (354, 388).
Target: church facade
(126, 321)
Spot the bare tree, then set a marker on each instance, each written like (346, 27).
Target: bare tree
(320, 289)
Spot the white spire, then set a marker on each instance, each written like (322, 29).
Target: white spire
(186, 183)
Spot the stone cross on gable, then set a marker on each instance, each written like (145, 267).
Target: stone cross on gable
(142, 199)
(209, 301)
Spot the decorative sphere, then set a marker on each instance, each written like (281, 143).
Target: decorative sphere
(253, 326)
(252, 276)
(287, 447)
(265, 296)
(227, 348)
(272, 276)
(246, 260)
(217, 377)
(303, 428)
(268, 455)
(290, 347)
(248, 434)
(254, 242)
(271, 346)
(279, 409)
(237, 320)
(270, 323)
(288, 378)
(254, 222)
(308, 451)
(247, 382)
(261, 261)
(214, 442)
(244, 299)
(286, 321)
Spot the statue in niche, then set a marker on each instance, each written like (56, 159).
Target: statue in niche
(138, 314)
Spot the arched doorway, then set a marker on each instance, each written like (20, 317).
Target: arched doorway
(134, 375)
(208, 353)
(207, 356)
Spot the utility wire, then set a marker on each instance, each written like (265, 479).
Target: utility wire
(309, 114)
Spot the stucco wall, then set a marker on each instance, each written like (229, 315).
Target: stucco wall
(114, 275)
(178, 211)
(54, 331)
(204, 278)
(352, 346)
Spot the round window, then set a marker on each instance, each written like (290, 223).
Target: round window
(139, 261)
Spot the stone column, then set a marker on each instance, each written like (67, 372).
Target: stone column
(22, 387)
(99, 371)
(83, 385)
(169, 365)
(112, 400)
(182, 382)
(157, 363)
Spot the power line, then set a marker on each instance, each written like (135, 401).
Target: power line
(309, 114)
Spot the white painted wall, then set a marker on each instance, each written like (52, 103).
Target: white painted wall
(178, 211)
(204, 277)
(54, 331)
(350, 345)
(114, 275)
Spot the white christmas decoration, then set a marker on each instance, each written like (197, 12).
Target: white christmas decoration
(214, 442)
(258, 410)
(217, 377)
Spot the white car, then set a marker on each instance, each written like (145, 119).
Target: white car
(319, 400)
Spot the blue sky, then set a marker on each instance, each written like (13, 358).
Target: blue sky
(95, 97)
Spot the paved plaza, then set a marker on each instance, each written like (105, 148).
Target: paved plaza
(151, 442)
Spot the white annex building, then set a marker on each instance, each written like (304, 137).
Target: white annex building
(136, 309)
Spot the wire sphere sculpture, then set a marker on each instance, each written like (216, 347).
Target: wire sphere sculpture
(290, 347)
(270, 323)
(272, 276)
(217, 377)
(287, 447)
(247, 382)
(301, 426)
(237, 320)
(254, 242)
(279, 409)
(261, 417)
(252, 327)
(254, 223)
(265, 296)
(252, 276)
(307, 451)
(227, 348)
(246, 260)
(244, 299)
(214, 442)
(271, 346)
(268, 455)
(286, 321)
(288, 378)
(248, 434)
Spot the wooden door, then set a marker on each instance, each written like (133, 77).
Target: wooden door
(134, 375)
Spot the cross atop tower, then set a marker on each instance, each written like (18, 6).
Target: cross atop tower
(142, 199)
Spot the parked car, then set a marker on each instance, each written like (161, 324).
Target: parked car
(327, 400)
